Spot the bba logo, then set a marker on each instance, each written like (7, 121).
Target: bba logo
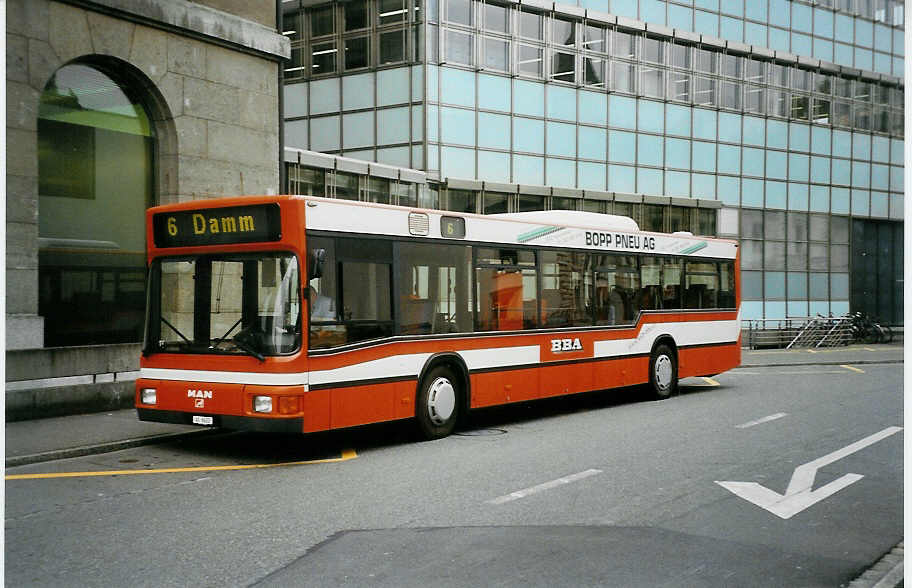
(562, 345)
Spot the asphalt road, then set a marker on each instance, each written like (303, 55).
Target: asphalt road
(601, 489)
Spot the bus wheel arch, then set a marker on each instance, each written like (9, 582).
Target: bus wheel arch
(442, 396)
(663, 368)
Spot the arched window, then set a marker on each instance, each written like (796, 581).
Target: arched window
(95, 170)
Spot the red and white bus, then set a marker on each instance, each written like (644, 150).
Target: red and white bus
(290, 313)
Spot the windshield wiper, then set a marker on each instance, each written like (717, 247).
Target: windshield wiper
(242, 343)
(225, 336)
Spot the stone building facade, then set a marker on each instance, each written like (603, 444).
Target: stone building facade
(114, 106)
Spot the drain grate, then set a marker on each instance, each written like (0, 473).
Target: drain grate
(481, 432)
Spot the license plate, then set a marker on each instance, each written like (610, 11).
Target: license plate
(202, 420)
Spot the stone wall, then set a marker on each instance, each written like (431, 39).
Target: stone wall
(210, 82)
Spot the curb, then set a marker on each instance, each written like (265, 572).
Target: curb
(99, 448)
(886, 573)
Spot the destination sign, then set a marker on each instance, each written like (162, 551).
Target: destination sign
(218, 226)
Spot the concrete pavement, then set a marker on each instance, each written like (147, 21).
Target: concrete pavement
(41, 440)
(50, 439)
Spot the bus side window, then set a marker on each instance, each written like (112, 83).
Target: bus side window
(701, 285)
(507, 295)
(726, 284)
(433, 288)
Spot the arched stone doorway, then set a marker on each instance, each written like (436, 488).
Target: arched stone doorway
(99, 151)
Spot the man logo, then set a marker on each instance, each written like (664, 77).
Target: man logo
(199, 394)
(562, 345)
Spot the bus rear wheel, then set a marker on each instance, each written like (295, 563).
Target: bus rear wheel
(437, 405)
(663, 372)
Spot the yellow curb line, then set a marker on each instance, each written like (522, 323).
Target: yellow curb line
(347, 454)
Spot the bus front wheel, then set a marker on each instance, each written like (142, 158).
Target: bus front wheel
(438, 403)
(663, 372)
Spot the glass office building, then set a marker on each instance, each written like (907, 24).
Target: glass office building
(779, 123)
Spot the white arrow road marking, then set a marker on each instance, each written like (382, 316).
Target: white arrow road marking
(799, 494)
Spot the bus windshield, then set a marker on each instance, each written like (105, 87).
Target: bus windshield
(225, 304)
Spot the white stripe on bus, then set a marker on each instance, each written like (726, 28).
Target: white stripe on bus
(409, 365)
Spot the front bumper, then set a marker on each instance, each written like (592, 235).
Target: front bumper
(239, 423)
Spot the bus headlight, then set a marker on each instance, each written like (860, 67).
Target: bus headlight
(148, 396)
(262, 404)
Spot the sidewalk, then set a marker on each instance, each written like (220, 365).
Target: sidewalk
(87, 434)
(853, 354)
(41, 440)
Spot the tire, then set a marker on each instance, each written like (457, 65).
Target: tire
(438, 404)
(663, 372)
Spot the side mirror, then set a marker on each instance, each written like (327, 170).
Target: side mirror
(315, 263)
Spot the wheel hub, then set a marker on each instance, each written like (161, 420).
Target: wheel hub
(663, 372)
(441, 401)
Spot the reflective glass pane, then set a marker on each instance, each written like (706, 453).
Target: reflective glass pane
(530, 60)
(458, 47)
(652, 82)
(752, 224)
(730, 95)
(392, 47)
(774, 255)
(680, 56)
(755, 99)
(323, 58)
(322, 22)
(704, 92)
(653, 50)
(705, 61)
(459, 11)
(623, 77)
(356, 53)
(530, 24)
(496, 18)
(392, 11)
(355, 15)
(774, 225)
(496, 54)
(801, 107)
(778, 75)
(797, 255)
(594, 71)
(731, 65)
(594, 39)
(563, 66)
(563, 32)
(756, 71)
(778, 104)
(624, 45)
(679, 86)
(818, 255)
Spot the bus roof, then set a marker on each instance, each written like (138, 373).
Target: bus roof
(553, 228)
(576, 218)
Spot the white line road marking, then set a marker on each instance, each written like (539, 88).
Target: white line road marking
(795, 373)
(799, 494)
(765, 419)
(542, 487)
(854, 369)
